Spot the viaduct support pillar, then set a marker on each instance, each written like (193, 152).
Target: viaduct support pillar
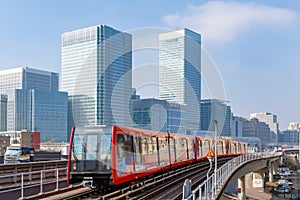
(270, 169)
(241, 188)
(258, 179)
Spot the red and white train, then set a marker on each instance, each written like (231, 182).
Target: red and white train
(117, 155)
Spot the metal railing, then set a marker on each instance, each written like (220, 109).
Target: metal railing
(209, 189)
(34, 179)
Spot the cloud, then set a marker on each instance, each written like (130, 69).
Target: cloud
(220, 22)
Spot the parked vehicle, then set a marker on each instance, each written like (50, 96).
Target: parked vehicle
(18, 154)
(283, 189)
(284, 182)
(296, 197)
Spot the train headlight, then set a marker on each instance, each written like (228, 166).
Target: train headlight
(108, 166)
(74, 165)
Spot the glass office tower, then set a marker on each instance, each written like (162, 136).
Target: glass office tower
(96, 73)
(179, 73)
(34, 102)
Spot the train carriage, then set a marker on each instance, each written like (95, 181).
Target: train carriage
(137, 154)
(118, 155)
(90, 154)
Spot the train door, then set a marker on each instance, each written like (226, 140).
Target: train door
(172, 150)
(163, 151)
(190, 147)
(199, 148)
(181, 149)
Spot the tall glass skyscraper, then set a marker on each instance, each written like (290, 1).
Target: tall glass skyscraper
(179, 73)
(96, 73)
(34, 102)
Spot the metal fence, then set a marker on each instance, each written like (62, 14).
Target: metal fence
(27, 180)
(209, 189)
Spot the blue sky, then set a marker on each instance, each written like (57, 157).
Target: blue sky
(254, 44)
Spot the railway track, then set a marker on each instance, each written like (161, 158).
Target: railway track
(164, 186)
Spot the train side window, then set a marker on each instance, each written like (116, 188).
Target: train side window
(125, 153)
(139, 150)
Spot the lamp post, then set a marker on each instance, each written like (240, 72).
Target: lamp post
(216, 152)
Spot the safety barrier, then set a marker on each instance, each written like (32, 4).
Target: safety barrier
(26, 180)
(209, 189)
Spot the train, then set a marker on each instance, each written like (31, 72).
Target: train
(106, 156)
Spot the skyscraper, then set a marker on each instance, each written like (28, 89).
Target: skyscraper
(34, 102)
(179, 72)
(96, 73)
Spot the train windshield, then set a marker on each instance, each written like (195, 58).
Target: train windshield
(92, 149)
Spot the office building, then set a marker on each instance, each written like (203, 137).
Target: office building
(48, 114)
(31, 94)
(215, 109)
(290, 136)
(236, 126)
(3, 112)
(271, 120)
(180, 73)
(96, 73)
(158, 115)
(255, 128)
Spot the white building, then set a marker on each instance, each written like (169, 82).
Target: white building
(270, 119)
(180, 73)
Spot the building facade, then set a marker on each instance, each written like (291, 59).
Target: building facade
(236, 126)
(158, 115)
(289, 137)
(180, 73)
(48, 114)
(4, 143)
(3, 112)
(215, 109)
(96, 73)
(271, 120)
(25, 89)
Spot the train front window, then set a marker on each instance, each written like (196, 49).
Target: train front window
(92, 148)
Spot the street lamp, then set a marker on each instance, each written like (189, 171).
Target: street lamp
(216, 152)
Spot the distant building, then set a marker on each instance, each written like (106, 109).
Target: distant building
(255, 128)
(158, 115)
(96, 73)
(180, 73)
(236, 126)
(61, 147)
(294, 126)
(4, 143)
(23, 138)
(34, 102)
(271, 120)
(289, 137)
(3, 112)
(215, 109)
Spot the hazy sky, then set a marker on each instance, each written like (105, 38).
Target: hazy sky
(254, 44)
